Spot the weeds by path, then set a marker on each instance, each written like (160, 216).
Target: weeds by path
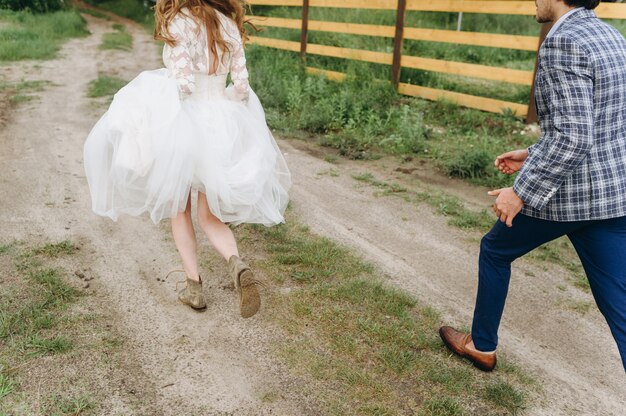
(120, 39)
(363, 347)
(104, 86)
(560, 251)
(444, 204)
(53, 353)
(363, 119)
(37, 36)
(12, 94)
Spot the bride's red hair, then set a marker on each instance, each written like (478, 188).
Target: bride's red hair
(204, 12)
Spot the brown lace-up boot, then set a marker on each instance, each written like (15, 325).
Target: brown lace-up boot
(192, 295)
(246, 285)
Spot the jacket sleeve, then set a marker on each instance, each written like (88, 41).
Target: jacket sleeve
(566, 81)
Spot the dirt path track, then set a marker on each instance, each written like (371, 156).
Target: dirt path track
(216, 363)
(204, 364)
(572, 354)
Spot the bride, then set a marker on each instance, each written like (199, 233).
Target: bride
(178, 129)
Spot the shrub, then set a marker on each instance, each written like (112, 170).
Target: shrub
(470, 164)
(358, 116)
(136, 10)
(36, 6)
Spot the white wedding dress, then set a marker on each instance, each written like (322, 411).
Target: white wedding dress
(175, 129)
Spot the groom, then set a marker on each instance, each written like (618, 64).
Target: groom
(572, 181)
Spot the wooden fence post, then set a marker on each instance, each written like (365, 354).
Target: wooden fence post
(397, 44)
(304, 35)
(531, 117)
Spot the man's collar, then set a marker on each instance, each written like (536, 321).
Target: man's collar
(563, 19)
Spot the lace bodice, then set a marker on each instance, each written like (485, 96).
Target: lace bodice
(190, 55)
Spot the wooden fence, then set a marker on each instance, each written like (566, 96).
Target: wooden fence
(399, 33)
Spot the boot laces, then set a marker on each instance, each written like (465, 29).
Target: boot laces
(253, 281)
(180, 281)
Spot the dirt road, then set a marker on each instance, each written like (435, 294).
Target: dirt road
(205, 364)
(572, 354)
(216, 363)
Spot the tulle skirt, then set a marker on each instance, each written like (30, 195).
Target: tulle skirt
(150, 149)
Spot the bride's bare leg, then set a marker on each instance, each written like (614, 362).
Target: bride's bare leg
(219, 234)
(224, 242)
(185, 238)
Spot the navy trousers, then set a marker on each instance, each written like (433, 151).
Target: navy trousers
(601, 247)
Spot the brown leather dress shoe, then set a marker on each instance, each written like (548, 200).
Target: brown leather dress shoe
(458, 343)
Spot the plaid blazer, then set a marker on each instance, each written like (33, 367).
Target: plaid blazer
(577, 169)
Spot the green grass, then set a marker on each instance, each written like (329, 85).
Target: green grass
(447, 205)
(120, 39)
(506, 396)
(269, 397)
(94, 13)
(359, 117)
(364, 119)
(31, 86)
(30, 319)
(364, 347)
(579, 306)
(37, 36)
(7, 385)
(104, 86)
(56, 345)
(130, 9)
(65, 247)
(48, 285)
(59, 405)
(51, 294)
(21, 98)
(466, 142)
(57, 292)
(39, 328)
(22, 92)
(442, 407)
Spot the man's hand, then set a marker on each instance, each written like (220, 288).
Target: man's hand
(510, 162)
(507, 204)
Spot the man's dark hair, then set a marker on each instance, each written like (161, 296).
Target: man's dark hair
(587, 4)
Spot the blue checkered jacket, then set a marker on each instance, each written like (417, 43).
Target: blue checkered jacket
(577, 169)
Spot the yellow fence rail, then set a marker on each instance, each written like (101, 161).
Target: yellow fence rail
(514, 7)
(527, 43)
(399, 33)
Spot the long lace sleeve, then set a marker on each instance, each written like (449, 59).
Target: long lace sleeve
(179, 56)
(238, 69)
